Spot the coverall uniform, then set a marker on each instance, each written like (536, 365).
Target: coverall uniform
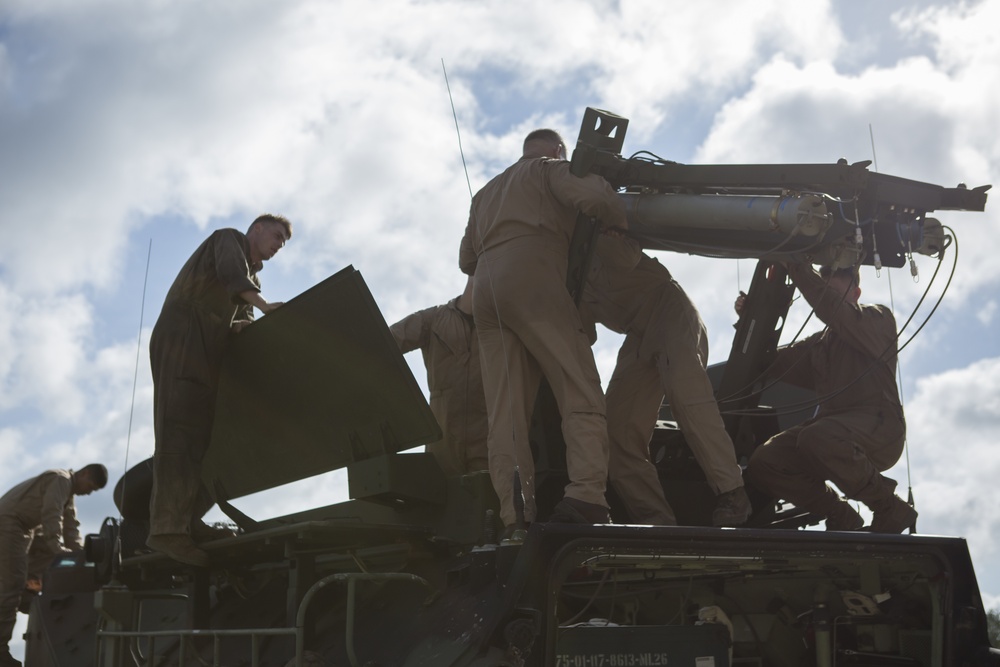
(517, 245)
(38, 516)
(858, 430)
(447, 339)
(186, 351)
(664, 354)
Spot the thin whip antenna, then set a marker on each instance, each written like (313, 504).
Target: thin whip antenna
(871, 135)
(135, 375)
(518, 487)
(892, 308)
(457, 131)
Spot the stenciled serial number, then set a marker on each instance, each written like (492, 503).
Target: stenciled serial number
(612, 660)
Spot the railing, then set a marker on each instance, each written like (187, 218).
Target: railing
(184, 635)
(256, 633)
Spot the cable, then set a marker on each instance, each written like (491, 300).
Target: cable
(899, 377)
(804, 405)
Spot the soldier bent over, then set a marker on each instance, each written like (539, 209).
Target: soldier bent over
(212, 297)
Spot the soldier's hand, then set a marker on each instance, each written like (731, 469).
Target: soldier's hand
(274, 305)
(741, 301)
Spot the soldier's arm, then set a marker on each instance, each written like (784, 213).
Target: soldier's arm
(792, 364)
(414, 331)
(232, 266)
(869, 329)
(56, 492)
(468, 258)
(591, 195)
(255, 299)
(71, 527)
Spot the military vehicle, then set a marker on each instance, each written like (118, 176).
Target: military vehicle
(411, 571)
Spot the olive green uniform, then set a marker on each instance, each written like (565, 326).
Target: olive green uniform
(37, 522)
(858, 430)
(185, 351)
(664, 354)
(447, 339)
(517, 246)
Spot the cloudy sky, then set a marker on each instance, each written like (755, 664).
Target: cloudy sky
(132, 129)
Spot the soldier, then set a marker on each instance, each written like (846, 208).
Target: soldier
(212, 297)
(858, 431)
(38, 516)
(664, 353)
(517, 245)
(446, 336)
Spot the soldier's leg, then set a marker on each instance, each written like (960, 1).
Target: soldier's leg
(878, 442)
(507, 373)
(785, 470)
(689, 391)
(176, 488)
(633, 401)
(533, 302)
(13, 576)
(794, 465)
(562, 351)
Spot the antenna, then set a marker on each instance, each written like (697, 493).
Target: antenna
(518, 492)
(871, 135)
(135, 375)
(892, 308)
(457, 131)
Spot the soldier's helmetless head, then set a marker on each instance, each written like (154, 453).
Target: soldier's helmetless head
(844, 281)
(545, 143)
(267, 235)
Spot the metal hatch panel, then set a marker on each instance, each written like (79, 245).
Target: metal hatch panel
(311, 387)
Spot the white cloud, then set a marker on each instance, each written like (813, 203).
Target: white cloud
(44, 349)
(952, 423)
(930, 117)
(116, 116)
(987, 312)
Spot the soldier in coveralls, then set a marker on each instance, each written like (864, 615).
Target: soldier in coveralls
(37, 523)
(212, 297)
(516, 246)
(446, 336)
(858, 431)
(664, 353)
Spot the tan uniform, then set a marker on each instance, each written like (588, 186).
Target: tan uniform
(858, 430)
(664, 354)
(36, 516)
(447, 339)
(517, 246)
(185, 353)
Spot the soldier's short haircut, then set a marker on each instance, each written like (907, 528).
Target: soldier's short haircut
(98, 474)
(543, 134)
(271, 219)
(849, 273)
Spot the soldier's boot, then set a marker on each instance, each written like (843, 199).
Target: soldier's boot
(844, 517)
(572, 510)
(891, 514)
(179, 547)
(203, 532)
(732, 508)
